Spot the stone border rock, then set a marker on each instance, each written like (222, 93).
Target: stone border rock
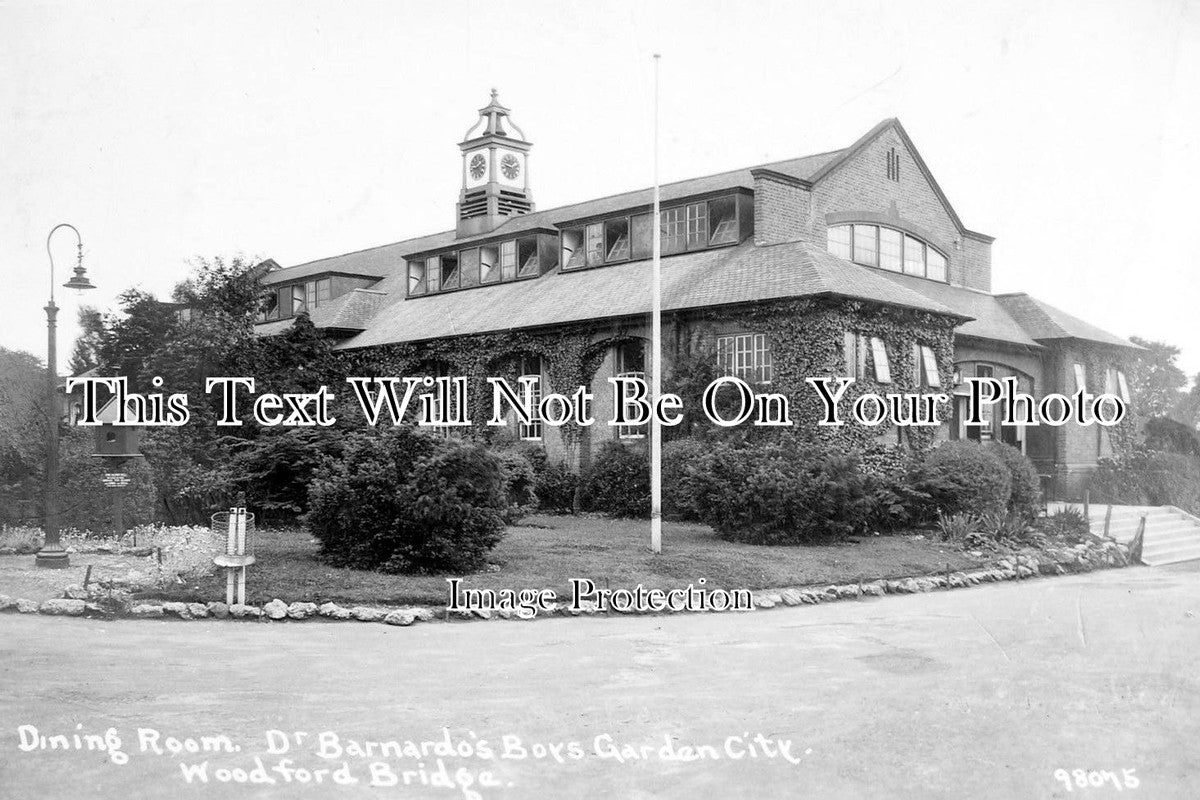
(80, 602)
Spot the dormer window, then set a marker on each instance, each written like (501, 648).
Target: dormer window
(886, 248)
(293, 299)
(480, 266)
(684, 228)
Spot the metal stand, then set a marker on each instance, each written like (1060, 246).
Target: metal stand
(238, 555)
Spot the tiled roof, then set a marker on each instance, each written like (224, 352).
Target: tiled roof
(989, 320)
(722, 276)
(378, 262)
(1045, 322)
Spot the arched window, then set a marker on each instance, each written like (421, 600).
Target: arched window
(887, 248)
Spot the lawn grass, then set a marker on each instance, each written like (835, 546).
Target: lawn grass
(547, 551)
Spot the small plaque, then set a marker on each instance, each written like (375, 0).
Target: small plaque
(115, 480)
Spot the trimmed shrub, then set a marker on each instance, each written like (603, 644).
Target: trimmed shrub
(405, 501)
(618, 482)
(1026, 491)
(781, 493)
(518, 481)
(680, 457)
(964, 477)
(555, 485)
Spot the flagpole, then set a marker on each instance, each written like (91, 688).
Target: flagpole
(656, 348)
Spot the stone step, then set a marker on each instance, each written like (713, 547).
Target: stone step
(1172, 555)
(1172, 536)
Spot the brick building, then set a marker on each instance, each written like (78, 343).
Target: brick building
(851, 262)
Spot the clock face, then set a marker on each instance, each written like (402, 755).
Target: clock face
(478, 166)
(510, 165)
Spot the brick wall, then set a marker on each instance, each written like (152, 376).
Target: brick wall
(862, 189)
(782, 209)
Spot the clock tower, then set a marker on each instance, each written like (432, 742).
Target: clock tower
(495, 175)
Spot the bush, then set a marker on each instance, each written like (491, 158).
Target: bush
(618, 482)
(679, 458)
(1148, 477)
(1067, 523)
(964, 477)
(405, 501)
(554, 483)
(1026, 489)
(518, 480)
(956, 527)
(781, 493)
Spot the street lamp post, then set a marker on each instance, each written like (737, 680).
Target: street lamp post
(52, 553)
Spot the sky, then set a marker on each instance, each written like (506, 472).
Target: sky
(298, 130)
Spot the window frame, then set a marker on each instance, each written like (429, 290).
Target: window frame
(747, 356)
(872, 236)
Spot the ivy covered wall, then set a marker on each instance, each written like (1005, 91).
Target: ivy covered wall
(805, 336)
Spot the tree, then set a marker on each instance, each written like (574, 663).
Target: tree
(1156, 379)
(85, 356)
(1188, 409)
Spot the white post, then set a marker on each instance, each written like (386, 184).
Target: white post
(656, 347)
(230, 549)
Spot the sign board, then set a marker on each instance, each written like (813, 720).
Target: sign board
(115, 480)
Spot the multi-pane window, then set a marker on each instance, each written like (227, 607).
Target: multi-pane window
(866, 357)
(887, 248)
(474, 266)
(631, 363)
(935, 265)
(914, 256)
(595, 244)
(697, 225)
(746, 356)
(284, 302)
(673, 230)
(317, 292)
(531, 366)
(865, 244)
(839, 241)
(508, 260)
(433, 274)
(891, 249)
(693, 226)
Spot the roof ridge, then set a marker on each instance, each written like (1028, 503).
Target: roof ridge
(577, 203)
